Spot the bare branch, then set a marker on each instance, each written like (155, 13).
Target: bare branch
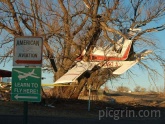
(13, 12)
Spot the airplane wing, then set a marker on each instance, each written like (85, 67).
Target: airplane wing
(75, 72)
(26, 73)
(128, 64)
(34, 76)
(19, 71)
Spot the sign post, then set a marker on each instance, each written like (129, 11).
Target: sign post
(26, 82)
(25, 112)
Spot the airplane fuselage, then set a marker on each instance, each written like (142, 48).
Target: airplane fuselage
(25, 75)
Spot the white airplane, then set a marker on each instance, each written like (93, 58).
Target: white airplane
(25, 75)
(106, 58)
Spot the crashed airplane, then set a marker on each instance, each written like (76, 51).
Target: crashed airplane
(106, 57)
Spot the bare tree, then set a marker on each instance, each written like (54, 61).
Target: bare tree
(137, 89)
(69, 26)
(122, 89)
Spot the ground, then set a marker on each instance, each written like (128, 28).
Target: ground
(60, 107)
(100, 109)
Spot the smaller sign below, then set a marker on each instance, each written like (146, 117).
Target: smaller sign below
(26, 84)
(28, 51)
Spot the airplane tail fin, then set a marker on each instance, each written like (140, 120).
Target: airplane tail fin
(33, 72)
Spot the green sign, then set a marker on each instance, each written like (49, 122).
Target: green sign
(26, 84)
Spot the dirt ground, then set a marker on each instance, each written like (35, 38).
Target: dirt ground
(79, 108)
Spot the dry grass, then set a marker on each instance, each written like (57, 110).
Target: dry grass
(79, 108)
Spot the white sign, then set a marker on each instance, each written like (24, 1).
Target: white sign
(28, 51)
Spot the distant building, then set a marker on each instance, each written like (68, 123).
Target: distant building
(5, 75)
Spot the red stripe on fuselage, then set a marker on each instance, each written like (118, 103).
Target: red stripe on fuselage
(100, 58)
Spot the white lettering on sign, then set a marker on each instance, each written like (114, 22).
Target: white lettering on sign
(27, 88)
(30, 91)
(22, 84)
(26, 91)
(35, 85)
(26, 85)
(27, 42)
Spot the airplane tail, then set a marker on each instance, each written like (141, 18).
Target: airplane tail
(33, 72)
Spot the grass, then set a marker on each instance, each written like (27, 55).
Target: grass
(79, 108)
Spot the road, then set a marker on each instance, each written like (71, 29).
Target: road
(10, 119)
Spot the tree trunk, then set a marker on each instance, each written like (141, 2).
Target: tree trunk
(78, 89)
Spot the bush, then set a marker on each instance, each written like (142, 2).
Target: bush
(122, 89)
